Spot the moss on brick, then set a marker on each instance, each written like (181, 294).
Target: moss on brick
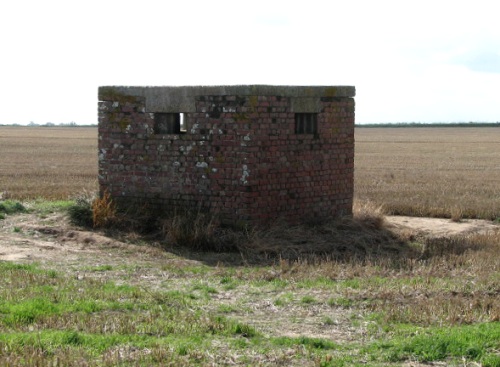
(111, 94)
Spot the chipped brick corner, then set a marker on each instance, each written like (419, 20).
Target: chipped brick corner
(249, 154)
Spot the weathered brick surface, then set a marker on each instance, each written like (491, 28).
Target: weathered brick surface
(240, 157)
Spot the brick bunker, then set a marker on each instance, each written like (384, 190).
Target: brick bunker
(249, 153)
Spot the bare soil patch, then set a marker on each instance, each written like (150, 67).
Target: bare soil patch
(440, 227)
(28, 238)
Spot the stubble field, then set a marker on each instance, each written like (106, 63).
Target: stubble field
(377, 294)
(47, 162)
(437, 172)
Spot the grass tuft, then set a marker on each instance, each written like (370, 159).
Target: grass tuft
(11, 207)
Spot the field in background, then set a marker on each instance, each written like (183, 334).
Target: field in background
(441, 172)
(48, 162)
(437, 172)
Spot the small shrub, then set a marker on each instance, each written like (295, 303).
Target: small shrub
(456, 214)
(11, 207)
(80, 212)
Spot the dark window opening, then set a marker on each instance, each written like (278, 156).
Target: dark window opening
(169, 123)
(306, 123)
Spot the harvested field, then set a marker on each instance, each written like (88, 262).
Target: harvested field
(431, 172)
(47, 162)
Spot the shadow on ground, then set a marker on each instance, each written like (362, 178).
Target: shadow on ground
(343, 240)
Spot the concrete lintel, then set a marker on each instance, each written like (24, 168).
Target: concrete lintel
(181, 99)
(305, 105)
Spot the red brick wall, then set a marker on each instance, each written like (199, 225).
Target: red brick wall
(240, 158)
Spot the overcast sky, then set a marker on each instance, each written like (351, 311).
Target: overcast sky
(410, 61)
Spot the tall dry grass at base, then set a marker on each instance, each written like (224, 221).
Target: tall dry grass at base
(364, 235)
(48, 162)
(437, 172)
(361, 236)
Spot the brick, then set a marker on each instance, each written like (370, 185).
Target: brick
(255, 168)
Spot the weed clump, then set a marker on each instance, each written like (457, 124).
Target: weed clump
(90, 210)
(194, 230)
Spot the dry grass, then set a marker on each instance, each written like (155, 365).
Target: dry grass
(437, 172)
(48, 162)
(364, 235)
(454, 281)
(432, 281)
(104, 211)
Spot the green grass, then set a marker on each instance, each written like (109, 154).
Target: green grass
(308, 300)
(46, 315)
(312, 343)
(44, 207)
(11, 207)
(99, 268)
(476, 343)
(44, 302)
(340, 302)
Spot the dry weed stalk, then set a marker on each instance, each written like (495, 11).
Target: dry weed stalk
(103, 211)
